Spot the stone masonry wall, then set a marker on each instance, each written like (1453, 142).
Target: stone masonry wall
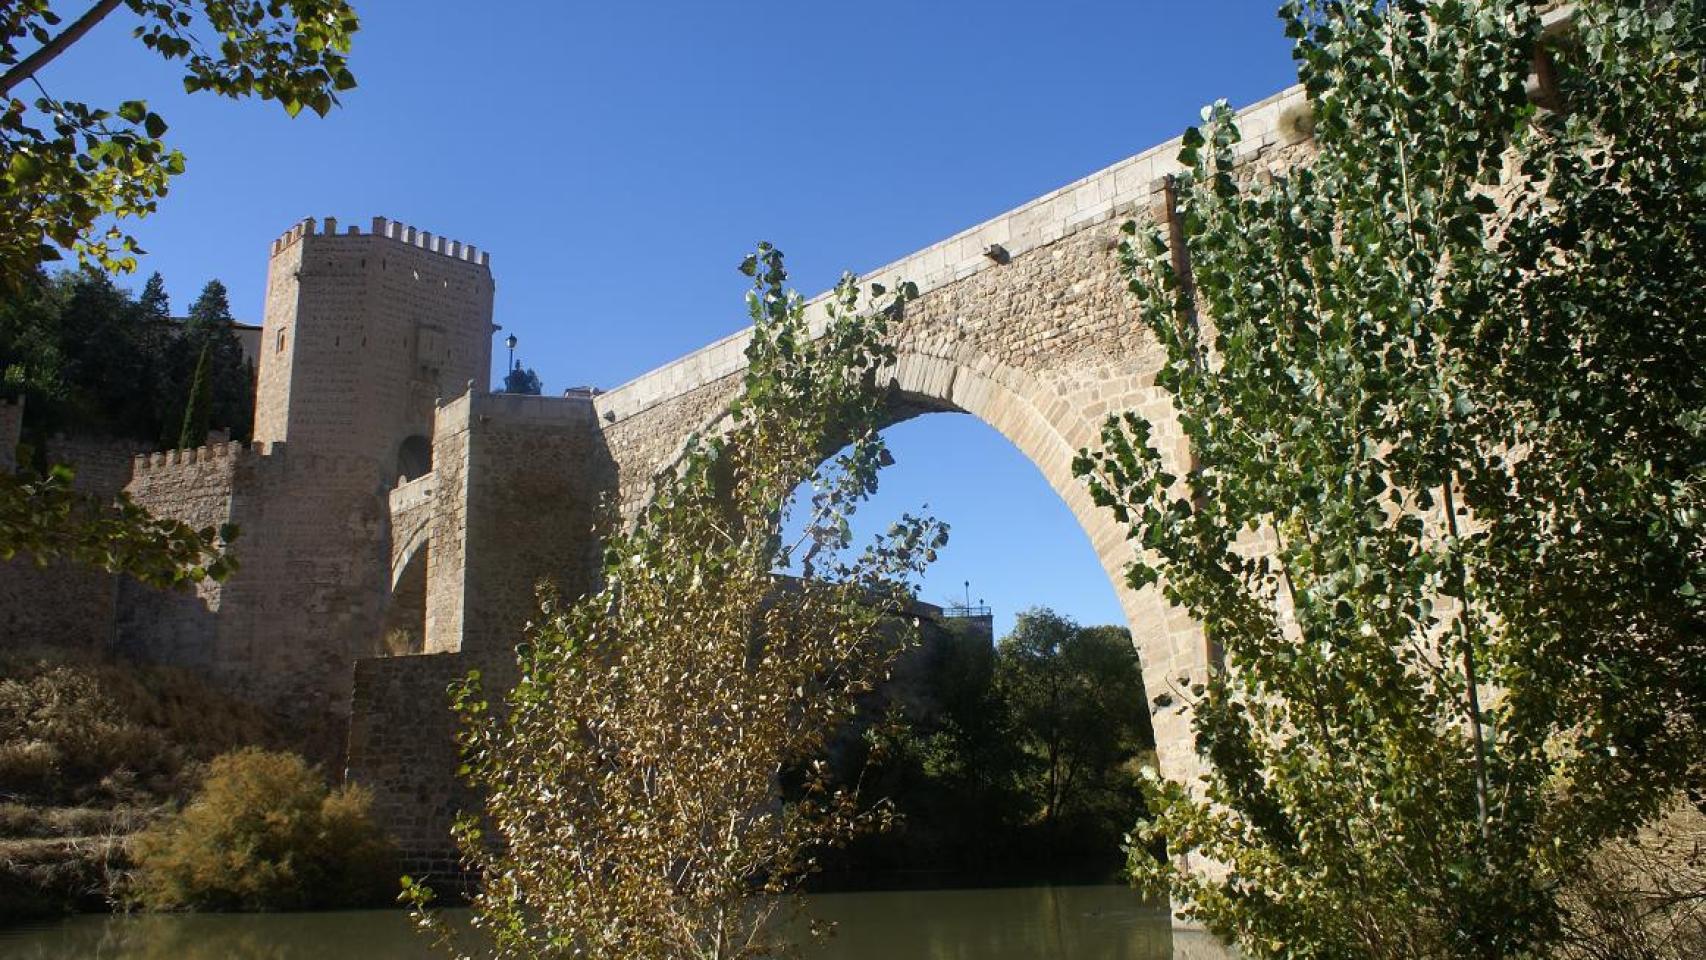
(402, 748)
(307, 598)
(537, 473)
(64, 604)
(447, 566)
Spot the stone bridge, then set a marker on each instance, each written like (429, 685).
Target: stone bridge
(1022, 322)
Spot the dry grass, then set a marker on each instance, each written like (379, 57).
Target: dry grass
(1644, 898)
(87, 732)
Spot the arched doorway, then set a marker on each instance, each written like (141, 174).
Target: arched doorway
(404, 630)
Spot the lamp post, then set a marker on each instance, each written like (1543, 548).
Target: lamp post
(510, 342)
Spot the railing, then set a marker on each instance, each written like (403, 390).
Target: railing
(965, 610)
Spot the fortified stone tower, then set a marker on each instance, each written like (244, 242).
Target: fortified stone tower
(364, 333)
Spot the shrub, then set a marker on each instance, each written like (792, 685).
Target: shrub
(264, 833)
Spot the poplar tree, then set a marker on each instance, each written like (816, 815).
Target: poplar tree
(1444, 511)
(71, 172)
(632, 775)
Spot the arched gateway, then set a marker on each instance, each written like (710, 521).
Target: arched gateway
(1022, 322)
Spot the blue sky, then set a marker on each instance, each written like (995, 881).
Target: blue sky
(617, 159)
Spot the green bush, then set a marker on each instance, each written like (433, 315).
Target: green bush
(264, 833)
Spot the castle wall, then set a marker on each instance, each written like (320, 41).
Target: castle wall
(307, 597)
(447, 553)
(518, 493)
(537, 472)
(63, 604)
(402, 748)
(58, 605)
(275, 366)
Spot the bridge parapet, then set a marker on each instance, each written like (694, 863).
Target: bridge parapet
(1121, 190)
(412, 494)
(536, 409)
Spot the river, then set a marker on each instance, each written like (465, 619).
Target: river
(1021, 923)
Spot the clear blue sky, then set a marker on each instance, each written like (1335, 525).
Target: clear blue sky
(617, 159)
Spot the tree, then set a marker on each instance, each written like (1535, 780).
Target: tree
(522, 380)
(154, 305)
(1444, 509)
(631, 775)
(936, 742)
(264, 833)
(1075, 698)
(86, 358)
(104, 364)
(68, 169)
(211, 329)
(194, 432)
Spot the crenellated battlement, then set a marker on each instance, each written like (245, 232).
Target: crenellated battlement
(147, 463)
(388, 229)
(272, 457)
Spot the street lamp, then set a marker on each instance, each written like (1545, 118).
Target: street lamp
(510, 342)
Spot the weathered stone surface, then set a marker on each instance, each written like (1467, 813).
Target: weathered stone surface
(62, 603)
(401, 747)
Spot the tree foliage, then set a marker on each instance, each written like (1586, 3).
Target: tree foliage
(631, 775)
(69, 170)
(46, 519)
(230, 386)
(1075, 698)
(194, 431)
(1444, 515)
(87, 359)
(91, 360)
(1018, 761)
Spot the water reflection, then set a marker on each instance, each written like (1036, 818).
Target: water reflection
(1033, 923)
(266, 936)
(1028, 923)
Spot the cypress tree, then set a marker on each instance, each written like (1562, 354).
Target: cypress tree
(194, 432)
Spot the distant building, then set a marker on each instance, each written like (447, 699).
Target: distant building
(248, 334)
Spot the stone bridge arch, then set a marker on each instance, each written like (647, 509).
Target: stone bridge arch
(403, 625)
(1048, 415)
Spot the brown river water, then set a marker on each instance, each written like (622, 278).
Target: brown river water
(1019, 923)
